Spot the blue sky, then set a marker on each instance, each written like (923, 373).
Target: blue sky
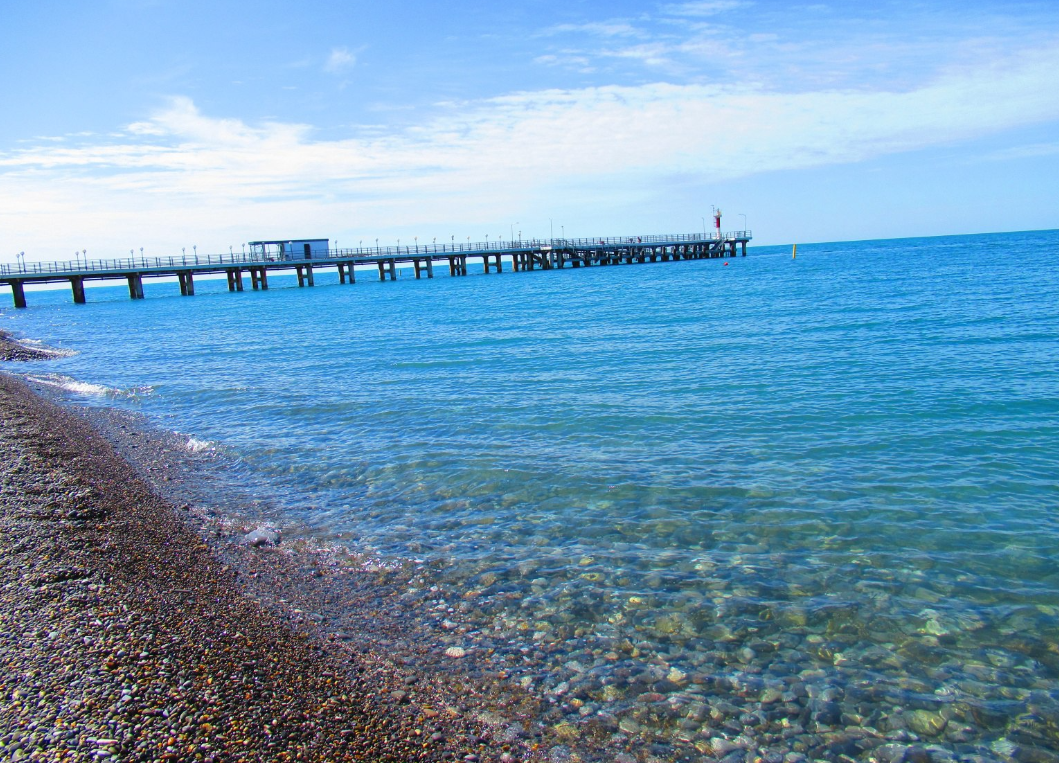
(164, 124)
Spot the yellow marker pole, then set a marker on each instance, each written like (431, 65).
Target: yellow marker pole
(794, 252)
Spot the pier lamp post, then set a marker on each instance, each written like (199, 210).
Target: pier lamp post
(376, 246)
(512, 226)
(141, 256)
(562, 231)
(744, 221)
(84, 253)
(417, 244)
(21, 257)
(244, 250)
(230, 252)
(195, 248)
(551, 231)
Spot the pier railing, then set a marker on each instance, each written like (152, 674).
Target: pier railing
(400, 251)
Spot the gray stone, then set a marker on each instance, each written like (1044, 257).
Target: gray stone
(262, 536)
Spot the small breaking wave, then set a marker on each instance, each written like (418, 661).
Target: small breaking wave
(68, 383)
(195, 445)
(39, 346)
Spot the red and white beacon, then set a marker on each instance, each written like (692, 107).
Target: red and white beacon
(717, 222)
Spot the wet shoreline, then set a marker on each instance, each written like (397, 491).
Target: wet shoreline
(145, 645)
(12, 349)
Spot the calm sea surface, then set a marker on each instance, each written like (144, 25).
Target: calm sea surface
(698, 498)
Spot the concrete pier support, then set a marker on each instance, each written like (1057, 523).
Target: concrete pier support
(305, 275)
(425, 264)
(18, 292)
(341, 272)
(258, 279)
(135, 285)
(235, 279)
(77, 283)
(744, 248)
(187, 283)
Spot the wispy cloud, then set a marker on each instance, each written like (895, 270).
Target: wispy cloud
(340, 60)
(703, 8)
(1031, 151)
(599, 29)
(493, 155)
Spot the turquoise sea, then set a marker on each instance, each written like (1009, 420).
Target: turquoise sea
(752, 507)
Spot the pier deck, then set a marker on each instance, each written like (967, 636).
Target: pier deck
(523, 255)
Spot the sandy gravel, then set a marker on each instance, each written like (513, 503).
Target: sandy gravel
(123, 637)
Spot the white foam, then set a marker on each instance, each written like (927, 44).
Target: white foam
(39, 346)
(194, 445)
(73, 385)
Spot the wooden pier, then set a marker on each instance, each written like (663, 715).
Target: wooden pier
(524, 256)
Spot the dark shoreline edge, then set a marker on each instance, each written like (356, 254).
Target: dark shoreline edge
(123, 634)
(12, 349)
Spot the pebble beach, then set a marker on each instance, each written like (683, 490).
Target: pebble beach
(123, 637)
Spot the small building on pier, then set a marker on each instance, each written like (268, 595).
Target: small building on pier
(290, 249)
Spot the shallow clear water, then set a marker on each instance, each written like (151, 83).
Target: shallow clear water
(832, 478)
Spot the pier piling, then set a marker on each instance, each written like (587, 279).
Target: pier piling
(235, 279)
(18, 292)
(135, 285)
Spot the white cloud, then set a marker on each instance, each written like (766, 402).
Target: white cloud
(340, 60)
(600, 29)
(703, 8)
(1031, 151)
(582, 148)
